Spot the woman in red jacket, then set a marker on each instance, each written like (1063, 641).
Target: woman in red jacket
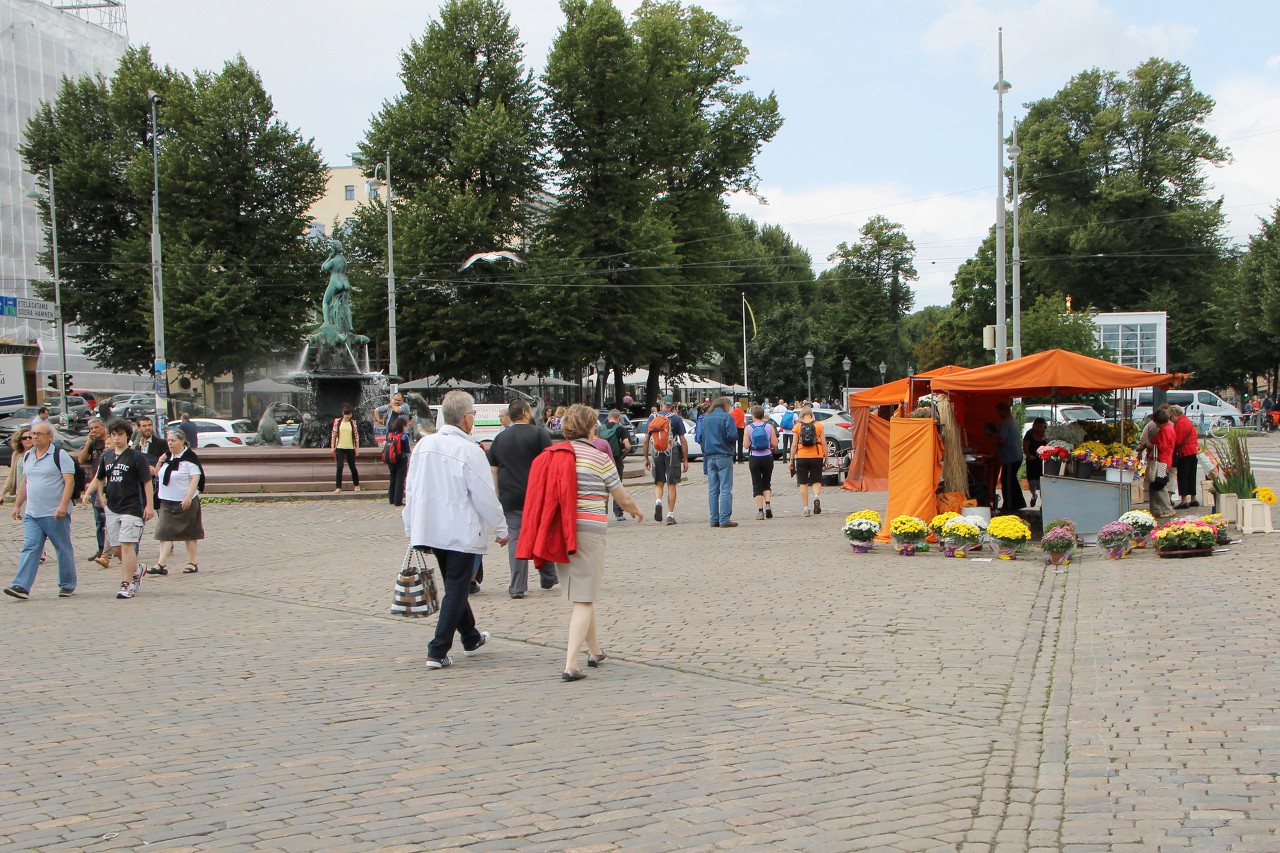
(1186, 449)
(1161, 467)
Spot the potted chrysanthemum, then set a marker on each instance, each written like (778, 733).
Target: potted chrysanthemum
(1142, 522)
(1010, 533)
(908, 533)
(1059, 543)
(1219, 523)
(960, 534)
(1114, 539)
(940, 520)
(860, 528)
(1184, 539)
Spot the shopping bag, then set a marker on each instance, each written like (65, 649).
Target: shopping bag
(415, 593)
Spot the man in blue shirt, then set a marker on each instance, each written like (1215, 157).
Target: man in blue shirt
(45, 495)
(718, 435)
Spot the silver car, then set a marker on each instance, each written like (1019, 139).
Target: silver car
(837, 426)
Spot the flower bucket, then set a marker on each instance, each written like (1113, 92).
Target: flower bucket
(1119, 475)
(1117, 553)
(1175, 554)
(1053, 467)
(1083, 470)
(1007, 550)
(861, 547)
(1138, 543)
(955, 549)
(1059, 558)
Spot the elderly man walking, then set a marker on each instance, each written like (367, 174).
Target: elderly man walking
(44, 505)
(510, 457)
(449, 498)
(718, 435)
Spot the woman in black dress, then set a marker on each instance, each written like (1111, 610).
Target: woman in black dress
(1031, 442)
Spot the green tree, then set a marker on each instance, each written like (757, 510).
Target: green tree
(1115, 211)
(466, 142)
(236, 183)
(1050, 324)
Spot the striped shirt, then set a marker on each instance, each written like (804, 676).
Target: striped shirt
(597, 476)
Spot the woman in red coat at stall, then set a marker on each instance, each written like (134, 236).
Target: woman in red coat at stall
(1186, 450)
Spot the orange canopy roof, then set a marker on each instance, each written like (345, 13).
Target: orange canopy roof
(892, 393)
(1052, 372)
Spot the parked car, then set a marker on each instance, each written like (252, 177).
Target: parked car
(1062, 415)
(289, 434)
(1205, 408)
(77, 407)
(216, 432)
(18, 417)
(837, 425)
(64, 440)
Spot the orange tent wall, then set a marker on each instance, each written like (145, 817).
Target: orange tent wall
(915, 464)
(869, 467)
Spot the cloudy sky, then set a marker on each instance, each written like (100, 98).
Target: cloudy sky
(889, 107)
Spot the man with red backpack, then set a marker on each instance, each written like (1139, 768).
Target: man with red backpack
(666, 456)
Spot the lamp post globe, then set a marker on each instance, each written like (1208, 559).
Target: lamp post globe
(601, 364)
(808, 367)
(883, 369)
(847, 365)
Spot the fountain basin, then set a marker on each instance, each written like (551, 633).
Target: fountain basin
(231, 470)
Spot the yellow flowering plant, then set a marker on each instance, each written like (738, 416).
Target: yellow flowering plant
(867, 514)
(1009, 529)
(961, 531)
(940, 520)
(908, 528)
(1264, 494)
(1184, 536)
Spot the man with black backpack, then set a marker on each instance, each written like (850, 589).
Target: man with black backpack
(670, 458)
(43, 504)
(619, 438)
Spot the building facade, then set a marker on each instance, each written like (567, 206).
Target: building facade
(1136, 339)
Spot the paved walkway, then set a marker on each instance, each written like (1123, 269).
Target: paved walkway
(766, 690)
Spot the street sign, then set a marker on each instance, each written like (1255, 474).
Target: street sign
(27, 309)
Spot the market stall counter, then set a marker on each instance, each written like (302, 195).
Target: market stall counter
(1091, 504)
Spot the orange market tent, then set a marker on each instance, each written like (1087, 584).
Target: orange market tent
(869, 465)
(1049, 373)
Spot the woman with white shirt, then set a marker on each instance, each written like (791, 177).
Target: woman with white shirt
(179, 474)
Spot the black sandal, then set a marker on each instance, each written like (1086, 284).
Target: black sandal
(158, 569)
(191, 569)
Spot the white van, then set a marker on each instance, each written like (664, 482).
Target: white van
(1205, 408)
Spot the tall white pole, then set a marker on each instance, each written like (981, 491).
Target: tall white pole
(57, 305)
(1002, 86)
(393, 367)
(157, 276)
(744, 343)
(1014, 151)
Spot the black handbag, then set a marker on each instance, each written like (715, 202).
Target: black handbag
(415, 592)
(1161, 480)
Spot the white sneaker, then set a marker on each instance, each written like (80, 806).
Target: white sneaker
(127, 590)
(806, 512)
(484, 638)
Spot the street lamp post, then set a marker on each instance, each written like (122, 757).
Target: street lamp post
(157, 276)
(601, 365)
(808, 367)
(1000, 87)
(1014, 151)
(883, 369)
(847, 365)
(393, 367)
(57, 302)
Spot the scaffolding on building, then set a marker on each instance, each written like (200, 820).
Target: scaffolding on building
(108, 14)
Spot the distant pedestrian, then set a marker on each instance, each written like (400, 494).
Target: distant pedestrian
(786, 424)
(123, 483)
(344, 438)
(761, 440)
(397, 408)
(718, 436)
(740, 423)
(42, 416)
(618, 437)
(504, 421)
(808, 458)
(449, 499)
(189, 430)
(666, 452)
(574, 480)
(44, 505)
(180, 479)
(510, 456)
(395, 453)
(88, 457)
(1008, 438)
(19, 443)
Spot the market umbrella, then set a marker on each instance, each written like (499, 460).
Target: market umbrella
(431, 383)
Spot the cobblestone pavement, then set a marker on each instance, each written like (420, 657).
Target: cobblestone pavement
(766, 690)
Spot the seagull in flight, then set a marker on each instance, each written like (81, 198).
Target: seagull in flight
(491, 257)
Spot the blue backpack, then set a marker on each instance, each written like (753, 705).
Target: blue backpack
(788, 419)
(759, 436)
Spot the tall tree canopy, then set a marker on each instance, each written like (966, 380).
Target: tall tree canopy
(235, 186)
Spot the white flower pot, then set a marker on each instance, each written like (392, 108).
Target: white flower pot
(1119, 475)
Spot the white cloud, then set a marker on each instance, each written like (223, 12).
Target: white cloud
(1048, 42)
(945, 228)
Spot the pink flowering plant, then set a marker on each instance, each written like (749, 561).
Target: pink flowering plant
(1058, 540)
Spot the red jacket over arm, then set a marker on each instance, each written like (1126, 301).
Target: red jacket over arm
(549, 527)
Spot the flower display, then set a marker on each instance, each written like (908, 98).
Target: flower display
(962, 528)
(1264, 494)
(1142, 522)
(1089, 451)
(1121, 462)
(909, 529)
(1060, 522)
(977, 521)
(869, 514)
(1117, 534)
(1184, 536)
(1219, 523)
(1053, 451)
(1058, 540)
(1009, 529)
(860, 529)
(940, 520)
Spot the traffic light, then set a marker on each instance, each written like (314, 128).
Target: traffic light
(66, 383)
(53, 381)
